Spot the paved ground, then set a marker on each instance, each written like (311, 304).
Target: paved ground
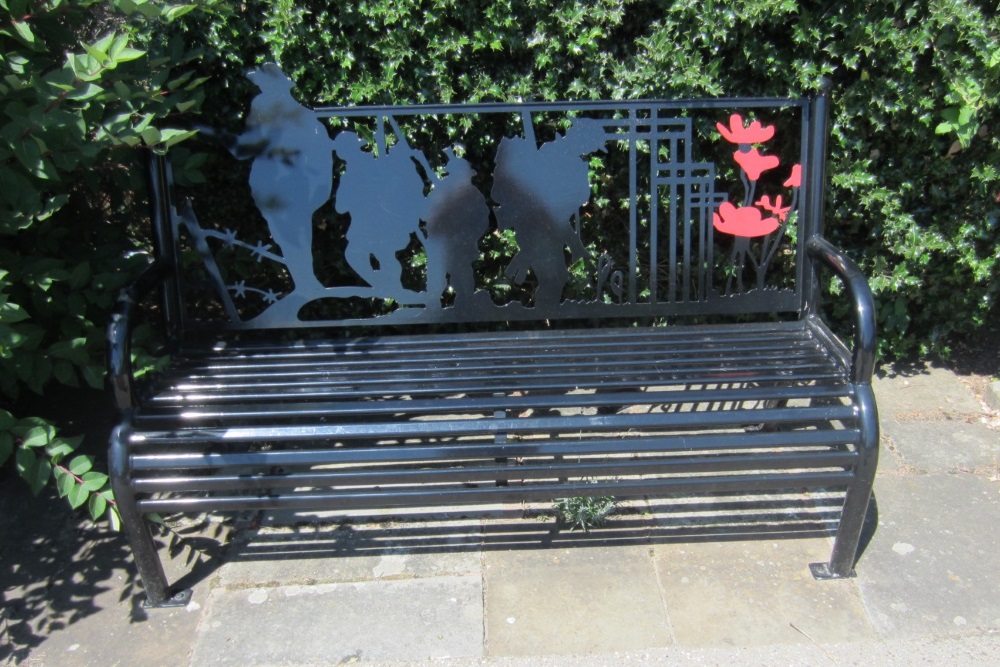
(664, 584)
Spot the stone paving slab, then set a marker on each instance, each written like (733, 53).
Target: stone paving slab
(909, 393)
(332, 624)
(975, 649)
(68, 594)
(931, 568)
(944, 446)
(756, 593)
(572, 601)
(353, 552)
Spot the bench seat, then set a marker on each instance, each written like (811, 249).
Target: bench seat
(481, 417)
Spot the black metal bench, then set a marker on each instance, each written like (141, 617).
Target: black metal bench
(461, 304)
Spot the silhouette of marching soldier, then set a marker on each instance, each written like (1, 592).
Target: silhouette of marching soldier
(539, 190)
(292, 172)
(457, 217)
(384, 196)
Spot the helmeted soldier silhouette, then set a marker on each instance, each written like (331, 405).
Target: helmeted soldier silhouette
(384, 196)
(457, 217)
(539, 190)
(292, 170)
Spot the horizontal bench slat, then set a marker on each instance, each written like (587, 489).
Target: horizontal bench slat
(176, 458)
(676, 398)
(526, 352)
(487, 426)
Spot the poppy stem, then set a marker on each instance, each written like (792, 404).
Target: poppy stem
(732, 269)
(781, 230)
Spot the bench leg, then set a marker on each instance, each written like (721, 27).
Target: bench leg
(140, 539)
(845, 545)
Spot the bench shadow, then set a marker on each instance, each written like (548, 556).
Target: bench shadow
(656, 521)
(57, 568)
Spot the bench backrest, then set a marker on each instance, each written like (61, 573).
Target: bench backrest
(502, 212)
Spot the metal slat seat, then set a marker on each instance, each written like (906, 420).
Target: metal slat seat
(477, 418)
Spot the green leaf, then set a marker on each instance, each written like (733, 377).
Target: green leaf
(80, 465)
(98, 505)
(35, 470)
(172, 136)
(59, 449)
(24, 32)
(150, 136)
(85, 91)
(177, 11)
(94, 481)
(128, 54)
(7, 420)
(78, 495)
(96, 53)
(64, 482)
(94, 375)
(79, 276)
(39, 436)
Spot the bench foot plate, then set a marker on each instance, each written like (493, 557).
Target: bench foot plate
(178, 599)
(822, 571)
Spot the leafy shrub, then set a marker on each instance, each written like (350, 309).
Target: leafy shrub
(585, 512)
(83, 85)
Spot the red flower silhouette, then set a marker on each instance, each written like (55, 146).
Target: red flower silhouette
(745, 221)
(737, 134)
(754, 163)
(795, 180)
(765, 203)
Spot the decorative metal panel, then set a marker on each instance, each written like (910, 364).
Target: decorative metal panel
(493, 212)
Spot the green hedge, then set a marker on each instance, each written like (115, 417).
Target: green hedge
(913, 161)
(86, 86)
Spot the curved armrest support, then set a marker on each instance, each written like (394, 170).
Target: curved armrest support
(862, 309)
(119, 333)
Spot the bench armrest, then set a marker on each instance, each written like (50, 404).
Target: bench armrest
(862, 308)
(119, 333)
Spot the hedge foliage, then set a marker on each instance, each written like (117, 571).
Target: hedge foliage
(914, 162)
(87, 85)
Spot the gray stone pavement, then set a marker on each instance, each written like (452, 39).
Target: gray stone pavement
(663, 584)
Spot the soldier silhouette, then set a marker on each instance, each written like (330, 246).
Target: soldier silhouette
(457, 217)
(292, 170)
(538, 191)
(385, 198)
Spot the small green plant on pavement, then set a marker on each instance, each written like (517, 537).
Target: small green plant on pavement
(585, 512)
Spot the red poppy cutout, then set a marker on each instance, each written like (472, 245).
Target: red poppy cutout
(754, 164)
(751, 134)
(795, 180)
(776, 208)
(745, 221)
